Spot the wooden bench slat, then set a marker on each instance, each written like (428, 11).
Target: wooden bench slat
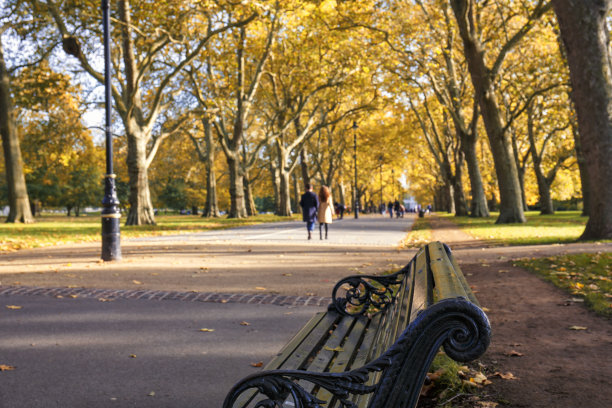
(343, 359)
(450, 282)
(421, 283)
(289, 355)
(364, 355)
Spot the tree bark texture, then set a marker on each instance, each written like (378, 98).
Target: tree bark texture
(546, 204)
(211, 209)
(587, 43)
(141, 208)
(304, 166)
(296, 193)
(511, 206)
(584, 172)
(478, 205)
(237, 204)
(249, 199)
(19, 204)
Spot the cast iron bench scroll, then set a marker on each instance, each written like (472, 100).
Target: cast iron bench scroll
(375, 344)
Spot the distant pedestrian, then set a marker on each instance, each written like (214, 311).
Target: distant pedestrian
(390, 209)
(341, 208)
(326, 210)
(310, 204)
(396, 207)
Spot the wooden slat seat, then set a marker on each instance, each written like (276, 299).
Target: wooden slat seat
(379, 331)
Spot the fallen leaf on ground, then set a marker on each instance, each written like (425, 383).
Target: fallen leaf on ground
(260, 288)
(514, 353)
(577, 328)
(151, 394)
(467, 383)
(487, 404)
(245, 323)
(105, 300)
(4, 367)
(132, 355)
(485, 309)
(207, 330)
(287, 274)
(137, 282)
(481, 379)
(506, 376)
(260, 364)
(333, 349)
(73, 296)
(13, 307)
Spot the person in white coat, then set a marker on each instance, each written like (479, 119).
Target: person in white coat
(326, 210)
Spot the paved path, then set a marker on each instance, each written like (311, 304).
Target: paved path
(368, 230)
(80, 322)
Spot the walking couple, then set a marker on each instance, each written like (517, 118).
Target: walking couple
(317, 207)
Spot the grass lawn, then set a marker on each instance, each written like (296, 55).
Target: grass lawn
(588, 277)
(419, 235)
(566, 226)
(53, 229)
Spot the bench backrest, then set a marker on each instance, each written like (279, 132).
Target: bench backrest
(377, 341)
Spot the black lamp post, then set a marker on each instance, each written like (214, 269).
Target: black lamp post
(393, 182)
(355, 201)
(380, 162)
(111, 249)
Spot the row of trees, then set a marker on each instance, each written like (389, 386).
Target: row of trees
(224, 101)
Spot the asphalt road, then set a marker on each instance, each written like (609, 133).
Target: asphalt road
(72, 350)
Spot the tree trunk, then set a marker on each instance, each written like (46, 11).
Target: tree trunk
(211, 209)
(478, 206)
(141, 209)
(448, 194)
(457, 185)
(521, 177)
(285, 193)
(586, 38)
(304, 167)
(546, 204)
(275, 175)
(237, 205)
(511, 206)
(296, 193)
(584, 173)
(249, 200)
(19, 203)
(341, 194)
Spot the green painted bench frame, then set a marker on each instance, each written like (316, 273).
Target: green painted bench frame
(375, 344)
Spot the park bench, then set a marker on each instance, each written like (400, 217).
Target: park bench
(375, 344)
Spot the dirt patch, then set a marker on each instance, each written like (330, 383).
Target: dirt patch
(554, 365)
(532, 339)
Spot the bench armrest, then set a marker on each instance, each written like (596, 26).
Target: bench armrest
(366, 293)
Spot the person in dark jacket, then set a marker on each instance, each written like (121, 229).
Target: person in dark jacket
(310, 206)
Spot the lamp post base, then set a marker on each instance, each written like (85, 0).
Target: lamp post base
(111, 239)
